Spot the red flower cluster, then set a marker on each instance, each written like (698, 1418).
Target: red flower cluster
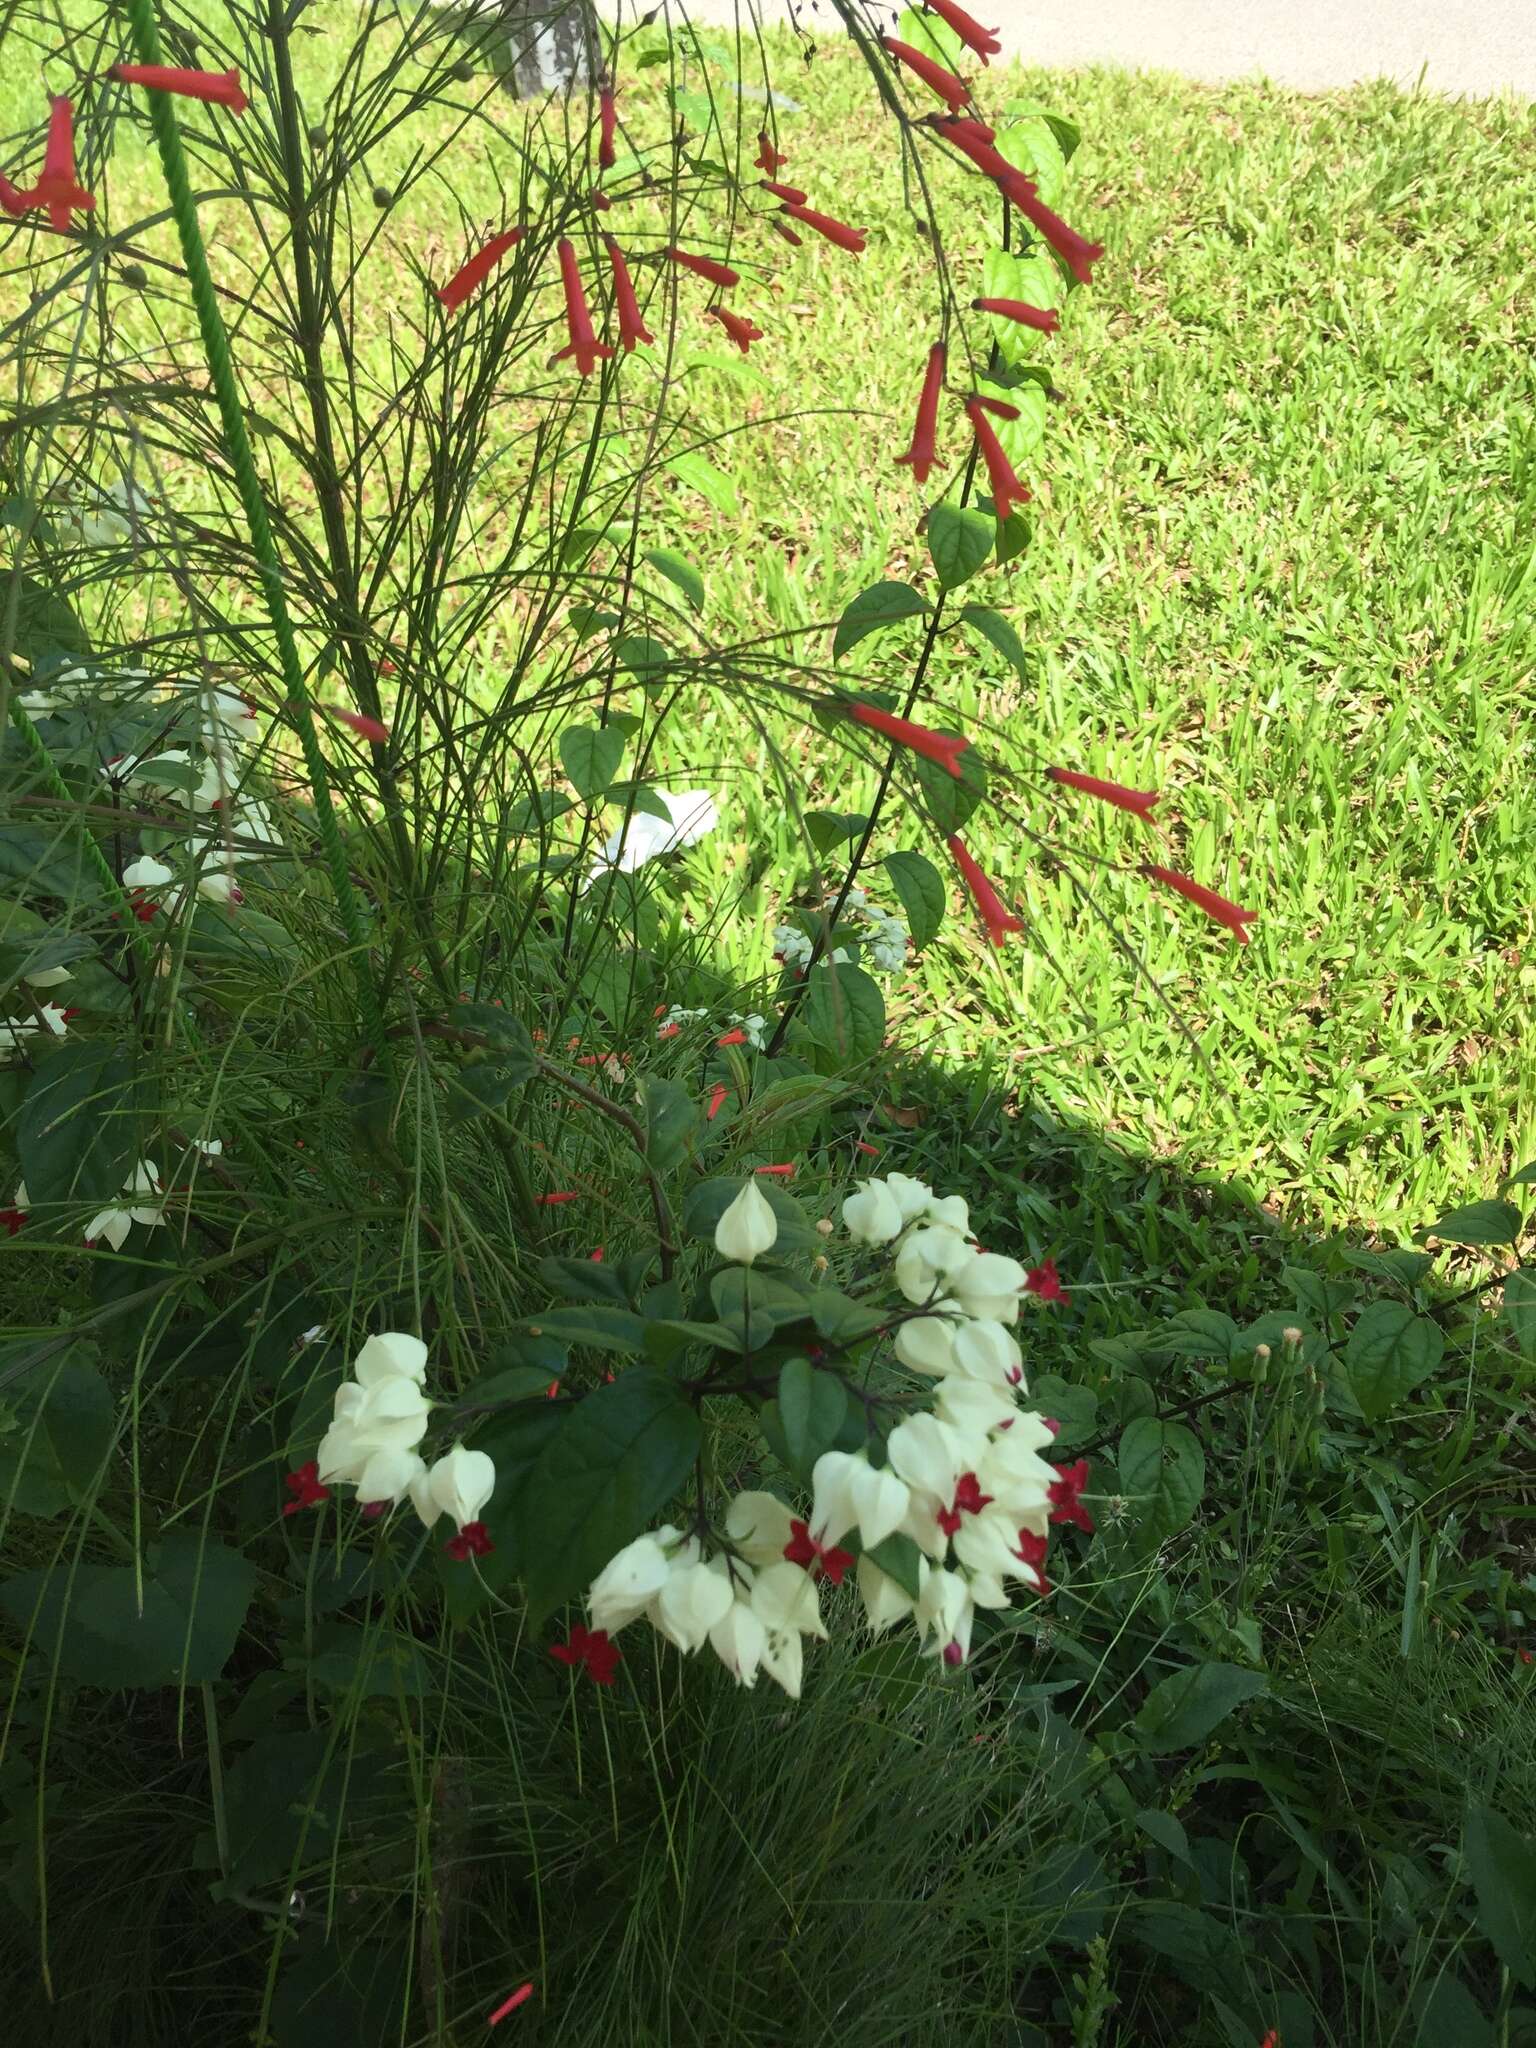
(1046, 1282)
(1065, 1495)
(304, 1484)
(824, 1560)
(473, 1540)
(969, 1500)
(591, 1651)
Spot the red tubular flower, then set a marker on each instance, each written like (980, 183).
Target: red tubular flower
(473, 1540)
(1040, 317)
(583, 345)
(717, 1095)
(304, 1484)
(519, 1997)
(600, 200)
(1004, 484)
(607, 118)
(736, 325)
(953, 91)
(58, 188)
(784, 1172)
(783, 228)
(967, 124)
(837, 231)
(479, 267)
(215, 88)
(923, 453)
(631, 327)
(944, 748)
(1214, 906)
(737, 1037)
(1031, 1553)
(991, 909)
(12, 201)
(768, 158)
(824, 1561)
(869, 1151)
(966, 137)
(1140, 801)
(706, 266)
(1078, 254)
(970, 31)
(790, 194)
(999, 408)
(1065, 1496)
(557, 1195)
(1046, 1282)
(369, 728)
(589, 1650)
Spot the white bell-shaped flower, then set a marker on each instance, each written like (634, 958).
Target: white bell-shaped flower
(748, 1228)
(629, 1582)
(927, 1260)
(391, 1354)
(885, 1602)
(973, 1408)
(990, 1286)
(388, 1477)
(945, 1611)
(911, 1197)
(758, 1525)
(927, 1344)
(114, 1222)
(950, 1212)
(989, 1351)
(688, 1606)
(458, 1485)
(850, 1494)
(739, 1639)
(928, 1456)
(1013, 1472)
(872, 1215)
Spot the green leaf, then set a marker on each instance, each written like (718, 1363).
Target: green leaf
(594, 1326)
(1181, 1710)
(1162, 1468)
(644, 657)
(993, 626)
(1034, 279)
(1477, 1223)
(812, 1405)
(616, 1460)
(1013, 536)
(1520, 1309)
(517, 1382)
(1067, 133)
(45, 624)
(844, 1011)
(1021, 438)
(1502, 1865)
(478, 1086)
(1029, 143)
(36, 951)
(677, 569)
(900, 1559)
(949, 802)
(959, 540)
(578, 1280)
(366, 1662)
(587, 619)
(195, 1596)
(711, 483)
(590, 756)
(52, 1455)
(920, 891)
(671, 1118)
(543, 807)
(1167, 1831)
(1389, 1351)
(934, 37)
(1075, 1407)
(883, 604)
(76, 1133)
(1194, 1333)
(833, 828)
(1522, 1177)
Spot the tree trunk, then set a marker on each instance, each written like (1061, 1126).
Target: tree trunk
(553, 45)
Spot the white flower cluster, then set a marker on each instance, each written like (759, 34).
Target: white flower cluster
(49, 1022)
(106, 522)
(691, 815)
(245, 829)
(966, 1483)
(885, 937)
(137, 1203)
(72, 687)
(380, 1416)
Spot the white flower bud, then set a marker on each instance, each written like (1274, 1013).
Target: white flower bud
(628, 1583)
(849, 1493)
(748, 1228)
(926, 1261)
(872, 1216)
(689, 1605)
(392, 1353)
(458, 1485)
(927, 1344)
(986, 1350)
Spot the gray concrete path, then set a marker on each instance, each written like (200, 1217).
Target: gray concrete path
(1476, 47)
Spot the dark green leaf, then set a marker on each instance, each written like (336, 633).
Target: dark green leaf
(900, 1559)
(1166, 1830)
(45, 624)
(617, 1459)
(948, 802)
(1162, 1469)
(993, 626)
(812, 1405)
(366, 1662)
(1194, 1333)
(1522, 1177)
(543, 807)
(644, 657)
(844, 1011)
(1502, 1864)
(920, 891)
(959, 540)
(708, 1202)
(1485, 1223)
(76, 1134)
(677, 569)
(1013, 537)
(592, 1326)
(591, 756)
(52, 946)
(883, 604)
(840, 1319)
(1181, 1710)
(195, 1596)
(505, 1033)
(833, 828)
(1390, 1350)
(51, 1458)
(516, 1382)
(1067, 133)
(671, 1117)
(480, 1085)
(1520, 1309)
(1074, 1407)
(1201, 1948)
(579, 1280)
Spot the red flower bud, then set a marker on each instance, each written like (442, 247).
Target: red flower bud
(1039, 317)
(736, 325)
(994, 913)
(631, 327)
(953, 91)
(1004, 484)
(790, 194)
(215, 88)
(368, 728)
(607, 116)
(837, 231)
(479, 267)
(970, 31)
(783, 228)
(12, 201)
(1215, 907)
(706, 267)
(1078, 254)
(941, 747)
(999, 408)
(922, 455)
(583, 344)
(1140, 801)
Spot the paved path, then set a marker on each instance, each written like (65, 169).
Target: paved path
(1460, 46)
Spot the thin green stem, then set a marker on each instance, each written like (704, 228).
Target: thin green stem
(221, 371)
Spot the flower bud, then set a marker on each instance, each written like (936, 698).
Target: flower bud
(927, 1344)
(630, 1581)
(849, 1493)
(693, 1600)
(927, 1258)
(748, 1228)
(872, 1216)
